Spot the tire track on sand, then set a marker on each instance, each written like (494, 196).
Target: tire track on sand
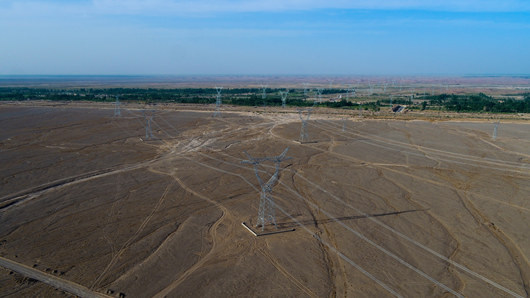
(284, 272)
(129, 242)
(213, 234)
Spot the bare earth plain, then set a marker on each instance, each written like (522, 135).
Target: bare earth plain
(379, 207)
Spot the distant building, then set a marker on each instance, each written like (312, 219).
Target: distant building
(398, 108)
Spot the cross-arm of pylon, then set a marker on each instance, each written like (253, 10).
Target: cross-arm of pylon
(282, 157)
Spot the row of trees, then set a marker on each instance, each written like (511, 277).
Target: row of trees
(252, 97)
(481, 103)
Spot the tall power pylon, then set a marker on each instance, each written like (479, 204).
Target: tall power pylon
(284, 94)
(318, 93)
(264, 93)
(218, 102)
(304, 137)
(305, 89)
(494, 136)
(117, 111)
(350, 92)
(148, 131)
(266, 213)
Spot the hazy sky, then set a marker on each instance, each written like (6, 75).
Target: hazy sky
(366, 37)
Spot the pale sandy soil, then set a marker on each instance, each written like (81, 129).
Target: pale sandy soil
(383, 208)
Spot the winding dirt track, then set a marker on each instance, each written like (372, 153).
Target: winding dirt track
(213, 235)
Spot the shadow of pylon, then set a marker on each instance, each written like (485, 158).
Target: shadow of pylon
(285, 225)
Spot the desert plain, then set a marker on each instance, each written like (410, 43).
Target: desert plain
(379, 207)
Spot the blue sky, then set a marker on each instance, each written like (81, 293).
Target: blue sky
(311, 37)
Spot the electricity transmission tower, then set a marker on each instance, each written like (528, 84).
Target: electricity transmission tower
(148, 131)
(343, 124)
(266, 214)
(318, 100)
(117, 111)
(264, 93)
(330, 83)
(385, 84)
(305, 89)
(304, 137)
(218, 102)
(371, 88)
(284, 94)
(350, 90)
(495, 130)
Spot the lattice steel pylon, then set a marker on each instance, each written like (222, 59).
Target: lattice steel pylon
(266, 213)
(318, 93)
(117, 111)
(148, 131)
(218, 102)
(264, 93)
(350, 92)
(494, 136)
(284, 94)
(304, 137)
(305, 89)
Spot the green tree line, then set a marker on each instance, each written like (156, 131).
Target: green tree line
(253, 97)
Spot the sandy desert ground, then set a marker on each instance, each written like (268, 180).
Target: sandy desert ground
(379, 207)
